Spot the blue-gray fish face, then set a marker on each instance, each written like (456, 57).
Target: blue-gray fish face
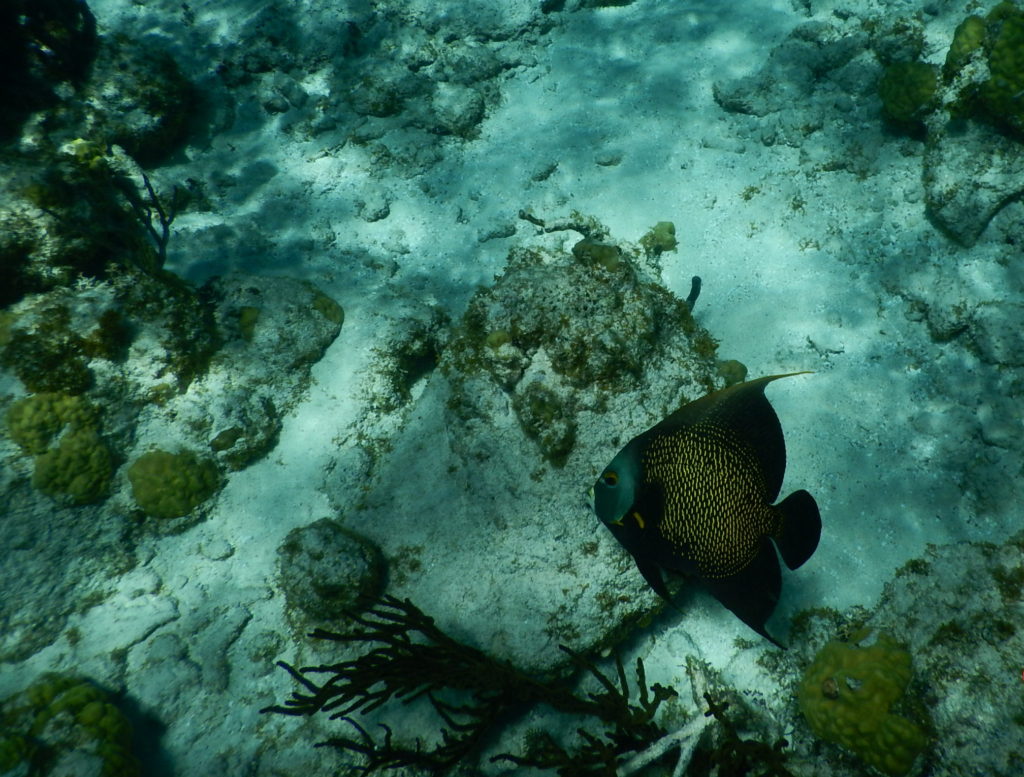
(615, 490)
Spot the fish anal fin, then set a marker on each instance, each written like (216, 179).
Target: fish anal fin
(752, 593)
(652, 574)
(801, 528)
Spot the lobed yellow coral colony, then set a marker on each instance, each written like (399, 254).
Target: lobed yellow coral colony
(846, 696)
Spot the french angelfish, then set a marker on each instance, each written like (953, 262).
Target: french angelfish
(693, 494)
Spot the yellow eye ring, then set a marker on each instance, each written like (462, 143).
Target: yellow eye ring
(610, 478)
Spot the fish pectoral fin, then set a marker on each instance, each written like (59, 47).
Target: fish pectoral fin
(652, 574)
(752, 593)
(801, 528)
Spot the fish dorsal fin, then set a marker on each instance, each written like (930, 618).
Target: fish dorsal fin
(744, 410)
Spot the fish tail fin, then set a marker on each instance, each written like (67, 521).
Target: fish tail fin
(801, 528)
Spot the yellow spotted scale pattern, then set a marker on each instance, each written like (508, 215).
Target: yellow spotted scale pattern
(716, 503)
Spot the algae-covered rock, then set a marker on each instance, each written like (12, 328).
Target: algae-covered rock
(327, 571)
(970, 176)
(553, 330)
(537, 386)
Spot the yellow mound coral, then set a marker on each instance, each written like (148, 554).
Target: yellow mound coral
(75, 471)
(35, 420)
(846, 695)
(170, 485)
(61, 720)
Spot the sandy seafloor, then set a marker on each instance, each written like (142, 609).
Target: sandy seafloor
(806, 223)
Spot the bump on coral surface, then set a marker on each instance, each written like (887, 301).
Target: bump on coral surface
(170, 485)
(847, 694)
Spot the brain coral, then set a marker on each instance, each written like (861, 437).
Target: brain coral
(35, 420)
(77, 468)
(1003, 93)
(908, 90)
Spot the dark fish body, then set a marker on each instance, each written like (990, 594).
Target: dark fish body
(694, 494)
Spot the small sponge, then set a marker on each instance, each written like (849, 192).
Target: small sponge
(846, 695)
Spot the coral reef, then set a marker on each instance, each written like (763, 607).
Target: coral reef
(77, 469)
(966, 110)
(908, 91)
(34, 421)
(118, 366)
(659, 239)
(931, 715)
(618, 732)
(47, 47)
(1004, 43)
(524, 386)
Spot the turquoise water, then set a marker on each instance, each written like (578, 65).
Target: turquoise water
(311, 301)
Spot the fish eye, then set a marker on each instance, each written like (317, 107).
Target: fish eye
(610, 478)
